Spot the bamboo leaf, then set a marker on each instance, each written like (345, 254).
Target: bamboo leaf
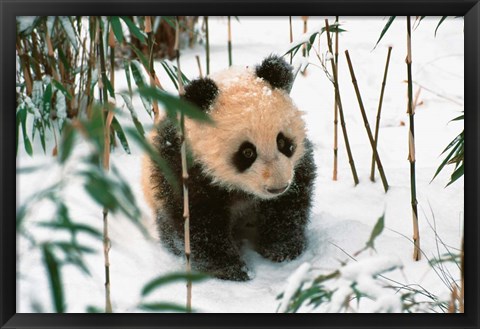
(459, 172)
(440, 23)
(69, 30)
(52, 265)
(385, 29)
(162, 307)
(174, 104)
(117, 28)
(140, 56)
(66, 144)
(126, 67)
(172, 278)
(377, 230)
(121, 135)
(133, 114)
(22, 115)
(60, 87)
(134, 29)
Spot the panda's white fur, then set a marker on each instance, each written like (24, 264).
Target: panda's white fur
(247, 109)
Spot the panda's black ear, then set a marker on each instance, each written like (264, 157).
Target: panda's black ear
(276, 71)
(201, 92)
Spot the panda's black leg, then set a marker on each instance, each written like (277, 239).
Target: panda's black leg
(282, 220)
(213, 249)
(281, 230)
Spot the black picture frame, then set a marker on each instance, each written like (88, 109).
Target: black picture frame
(470, 9)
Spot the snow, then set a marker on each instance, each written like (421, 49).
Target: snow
(342, 217)
(294, 282)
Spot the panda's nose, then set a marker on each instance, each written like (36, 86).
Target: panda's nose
(277, 190)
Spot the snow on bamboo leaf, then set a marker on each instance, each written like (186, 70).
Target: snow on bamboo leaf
(294, 282)
(69, 30)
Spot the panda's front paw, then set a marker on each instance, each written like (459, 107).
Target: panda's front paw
(233, 273)
(280, 251)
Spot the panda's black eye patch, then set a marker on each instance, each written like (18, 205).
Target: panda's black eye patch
(245, 156)
(285, 145)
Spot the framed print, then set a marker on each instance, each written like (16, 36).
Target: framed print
(260, 170)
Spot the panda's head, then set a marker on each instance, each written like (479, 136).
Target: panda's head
(258, 134)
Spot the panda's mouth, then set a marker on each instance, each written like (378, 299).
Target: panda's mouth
(276, 191)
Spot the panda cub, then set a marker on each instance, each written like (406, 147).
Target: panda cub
(251, 172)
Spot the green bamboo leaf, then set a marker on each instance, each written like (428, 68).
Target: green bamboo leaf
(170, 20)
(133, 114)
(66, 143)
(60, 87)
(170, 74)
(100, 189)
(444, 162)
(109, 86)
(172, 278)
(440, 23)
(22, 113)
(461, 117)
(174, 104)
(140, 82)
(52, 265)
(385, 29)
(140, 56)
(126, 68)
(134, 29)
(121, 135)
(377, 230)
(459, 172)
(94, 309)
(117, 28)
(162, 307)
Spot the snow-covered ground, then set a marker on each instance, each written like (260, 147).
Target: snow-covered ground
(343, 215)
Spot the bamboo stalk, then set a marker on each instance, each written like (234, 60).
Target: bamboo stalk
(335, 115)
(207, 45)
(26, 70)
(106, 166)
(183, 150)
(411, 143)
(200, 73)
(377, 123)
(151, 69)
(36, 57)
(91, 64)
(291, 37)
(340, 108)
(111, 44)
(229, 42)
(365, 121)
(305, 29)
